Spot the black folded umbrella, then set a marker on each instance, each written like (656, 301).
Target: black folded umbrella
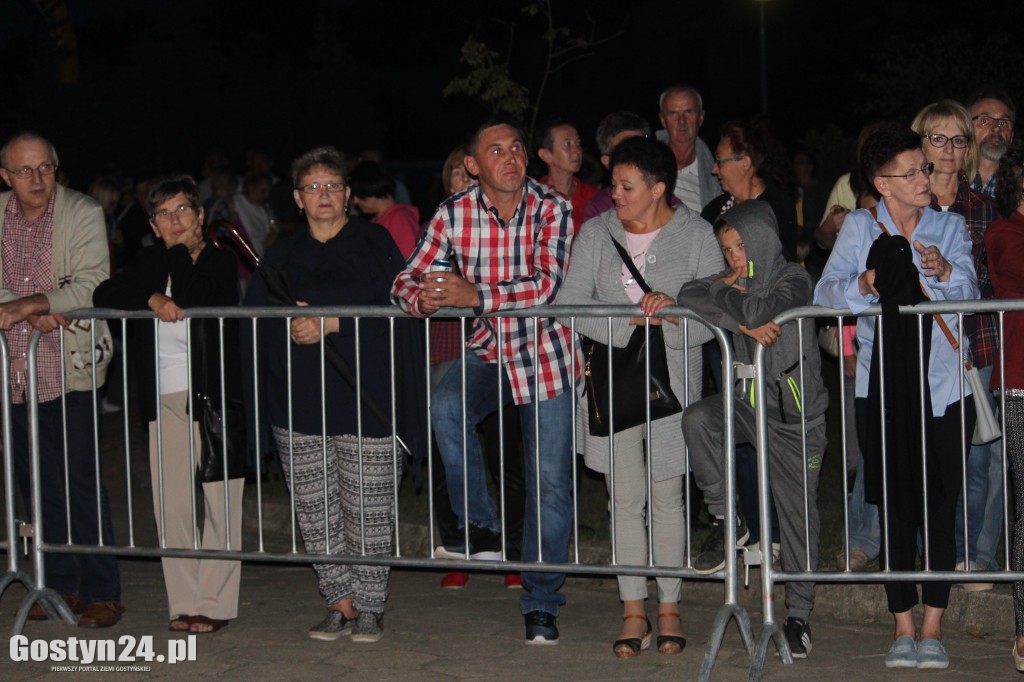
(280, 290)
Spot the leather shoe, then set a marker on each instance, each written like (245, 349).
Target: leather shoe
(76, 605)
(101, 614)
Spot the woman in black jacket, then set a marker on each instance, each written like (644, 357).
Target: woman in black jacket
(182, 271)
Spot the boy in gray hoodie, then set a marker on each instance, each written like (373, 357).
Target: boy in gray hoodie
(759, 285)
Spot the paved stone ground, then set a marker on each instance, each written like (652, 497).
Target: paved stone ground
(476, 634)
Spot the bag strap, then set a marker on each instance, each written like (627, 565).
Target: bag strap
(938, 318)
(628, 260)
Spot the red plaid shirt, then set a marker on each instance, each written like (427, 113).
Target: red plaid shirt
(514, 266)
(978, 211)
(27, 252)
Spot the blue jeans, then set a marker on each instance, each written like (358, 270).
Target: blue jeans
(90, 577)
(551, 458)
(864, 529)
(984, 486)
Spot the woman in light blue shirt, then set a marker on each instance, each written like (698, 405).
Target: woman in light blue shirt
(864, 270)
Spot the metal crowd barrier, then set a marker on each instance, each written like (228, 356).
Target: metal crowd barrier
(54, 605)
(731, 609)
(771, 632)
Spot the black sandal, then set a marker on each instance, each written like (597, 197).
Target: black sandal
(670, 644)
(632, 646)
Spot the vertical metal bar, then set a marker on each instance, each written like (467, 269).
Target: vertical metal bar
(395, 462)
(8, 454)
(193, 413)
(64, 438)
(465, 440)
(611, 444)
(224, 441)
(159, 425)
(38, 563)
(534, 359)
(291, 427)
(127, 437)
(575, 445)
(430, 446)
(879, 323)
(647, 437)
(95, 440)
(766, 545)
(359, 439)
(922, 386)
(501, 455)
(729, 452)
(256, 430)
(1002, 417)
(323, 438)
(843, 426)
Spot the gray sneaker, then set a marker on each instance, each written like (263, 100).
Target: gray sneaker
(334, 625)
(369, 627)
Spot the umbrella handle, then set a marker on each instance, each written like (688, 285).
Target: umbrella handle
(236, 236)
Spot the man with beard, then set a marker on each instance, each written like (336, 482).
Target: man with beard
(993, 114)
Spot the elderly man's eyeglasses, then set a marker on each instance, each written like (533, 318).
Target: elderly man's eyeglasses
(27, 171)
(719, 162)
(315, 187)
(992, 122)
(959, 141)
(912, 173)
(181, 210)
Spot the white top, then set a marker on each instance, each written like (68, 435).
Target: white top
(688, 187)
(173, 354)
(637, 245)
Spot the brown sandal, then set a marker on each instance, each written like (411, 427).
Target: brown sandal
(670, 644)
(214, 624)
(632, 646)
(173, 626)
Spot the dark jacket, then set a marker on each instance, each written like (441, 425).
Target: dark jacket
(210, 281)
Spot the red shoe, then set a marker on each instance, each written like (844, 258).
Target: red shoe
(513, 581)
(454, 580)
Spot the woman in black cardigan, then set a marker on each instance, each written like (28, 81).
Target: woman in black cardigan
(183, 271)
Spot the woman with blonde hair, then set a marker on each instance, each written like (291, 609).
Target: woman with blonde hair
(949, 144)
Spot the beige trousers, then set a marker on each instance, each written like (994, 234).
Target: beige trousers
(630, 510)
(195, 587)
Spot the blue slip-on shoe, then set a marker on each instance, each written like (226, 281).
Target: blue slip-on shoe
(932, 655)
(902, 654)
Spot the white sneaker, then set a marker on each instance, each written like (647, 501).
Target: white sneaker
(974, 587)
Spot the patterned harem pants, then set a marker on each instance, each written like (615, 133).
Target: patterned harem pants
(340, 529)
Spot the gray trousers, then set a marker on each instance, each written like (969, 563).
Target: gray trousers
(703, 427)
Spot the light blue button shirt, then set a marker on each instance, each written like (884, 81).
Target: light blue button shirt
(839, 288)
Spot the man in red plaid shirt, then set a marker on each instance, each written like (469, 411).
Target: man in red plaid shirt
(508, 239)
(53, 253)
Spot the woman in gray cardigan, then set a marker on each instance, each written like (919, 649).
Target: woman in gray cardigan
(670, 246)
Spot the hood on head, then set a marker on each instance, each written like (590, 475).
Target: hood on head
(755, 222)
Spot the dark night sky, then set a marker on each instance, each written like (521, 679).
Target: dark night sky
(159, 82)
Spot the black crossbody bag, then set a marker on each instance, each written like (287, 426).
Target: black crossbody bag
(629, 382)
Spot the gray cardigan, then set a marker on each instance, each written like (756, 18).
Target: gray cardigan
(684, 250)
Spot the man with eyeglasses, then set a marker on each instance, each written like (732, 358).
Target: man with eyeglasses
(681, 111)
(53, 253)
(993, 114)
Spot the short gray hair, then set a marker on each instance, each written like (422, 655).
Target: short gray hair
(680, 89)
(26, 136)
(326, 156)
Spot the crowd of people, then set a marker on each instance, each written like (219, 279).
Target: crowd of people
(933, 209)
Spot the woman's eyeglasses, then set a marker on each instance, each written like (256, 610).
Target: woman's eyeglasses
(912, 173)
(937, 140)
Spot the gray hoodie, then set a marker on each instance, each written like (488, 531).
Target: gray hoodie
(773, 286)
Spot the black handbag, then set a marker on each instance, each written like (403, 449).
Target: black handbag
(629, 378)
(217, 426)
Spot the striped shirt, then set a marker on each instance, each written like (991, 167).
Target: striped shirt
(514, 266)
(27, 251)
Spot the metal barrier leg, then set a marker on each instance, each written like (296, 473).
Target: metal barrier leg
(14, 573)
(726, 613)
